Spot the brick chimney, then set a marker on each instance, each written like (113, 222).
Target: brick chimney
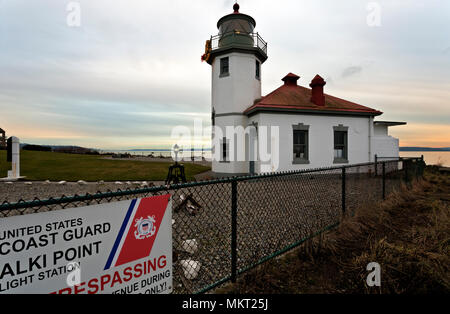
(317, 85)
(290, 79)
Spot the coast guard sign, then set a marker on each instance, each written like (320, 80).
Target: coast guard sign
(121, 247)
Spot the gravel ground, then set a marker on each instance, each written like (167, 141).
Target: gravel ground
(13, 192)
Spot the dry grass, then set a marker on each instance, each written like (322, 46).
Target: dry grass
(408, 235)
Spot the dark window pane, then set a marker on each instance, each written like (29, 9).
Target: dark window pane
(300, 137)
(224, 66)
(300, 144)
(257, 69)
(224, 149)
(339, 138)
(340, 144)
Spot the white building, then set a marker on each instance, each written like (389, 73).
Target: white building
(291, 128)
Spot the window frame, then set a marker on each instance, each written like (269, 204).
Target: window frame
(300, 128)
(222, 73)
(341, 129)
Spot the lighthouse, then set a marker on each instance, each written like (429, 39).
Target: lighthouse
(236, 55)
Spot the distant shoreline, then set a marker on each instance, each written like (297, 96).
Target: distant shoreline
(162, 150)
(402, 149)
(151, 150)
(424, 149)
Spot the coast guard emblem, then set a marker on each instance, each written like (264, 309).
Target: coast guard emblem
(145, 228)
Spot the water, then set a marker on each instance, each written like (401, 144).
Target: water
(159, 152)
(431, 158)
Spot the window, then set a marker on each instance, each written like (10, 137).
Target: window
(224, 66)
(340, 144)
(225, 150)
(301, 150)
(258, 70)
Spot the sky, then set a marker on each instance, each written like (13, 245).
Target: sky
(131, 71)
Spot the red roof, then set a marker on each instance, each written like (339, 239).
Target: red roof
(291, 97)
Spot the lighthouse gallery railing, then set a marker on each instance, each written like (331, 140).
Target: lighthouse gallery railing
(235, 40)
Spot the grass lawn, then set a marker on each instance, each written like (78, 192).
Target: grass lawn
(41, 166)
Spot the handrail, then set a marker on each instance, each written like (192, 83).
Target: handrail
(258, 41)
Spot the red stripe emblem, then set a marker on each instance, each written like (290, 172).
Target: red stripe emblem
(143, 229)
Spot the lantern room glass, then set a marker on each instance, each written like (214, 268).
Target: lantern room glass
(238, 25)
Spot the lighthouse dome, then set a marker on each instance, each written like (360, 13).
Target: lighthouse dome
(236, 28)
(236, 21)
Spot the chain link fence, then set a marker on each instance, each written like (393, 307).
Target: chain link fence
(225, 227)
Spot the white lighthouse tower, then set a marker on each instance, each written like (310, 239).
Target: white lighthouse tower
(236, 55)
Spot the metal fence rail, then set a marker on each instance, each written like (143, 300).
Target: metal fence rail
(238, 223)
(235, 38)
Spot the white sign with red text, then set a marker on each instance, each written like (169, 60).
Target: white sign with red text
(121, 247)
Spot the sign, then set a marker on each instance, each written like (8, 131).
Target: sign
(121, 247)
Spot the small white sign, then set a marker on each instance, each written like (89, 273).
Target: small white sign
(121, 247)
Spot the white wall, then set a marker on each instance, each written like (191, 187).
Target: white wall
(232, 95)
(380, 130)
(321, 138)
(236, 92)
(321, 141)
(386, 146)
(236, 167)
(383, 144)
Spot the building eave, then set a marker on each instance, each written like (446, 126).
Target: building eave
(281, 110)
(259, 53)
(389, 123)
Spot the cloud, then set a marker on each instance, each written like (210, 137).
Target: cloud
(132, 72)
(422, 134)
(350, 71)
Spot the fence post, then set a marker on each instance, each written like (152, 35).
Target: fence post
(405, 168)
(416, 169)
(376, 164)
(384, 180)
(343, 190)
(422, 166)
(233, 231)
